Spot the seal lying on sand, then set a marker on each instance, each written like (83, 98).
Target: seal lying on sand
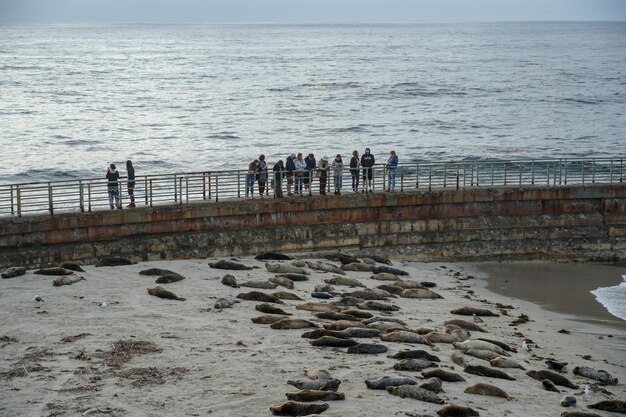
(230, 281)
(272, 256)
(357, 266)
(488, 372)
(114, 262)
(169, 278)
(330, 341)
(504, 346)
(415, 392)
(333, 315)
(317, 374)
(163, 293)
(13, 272)
(342, 324)
(263, 285)
(294, 277)
(290, 323)
(433, 384)
(319, 307)
(315, 395)
(283, 295)
(378, 306)
(56, 270)
(467, 325)
(349, 282)
(225, 303)
(326, 267)
(470, 311)
(266, 319)
(223, 264)
(479, 344)
(389, 270)
(259, 296)
(557, 379)
(598, 375)
(414, 365)
(549, 385)
(613, 406)
(385, 276)
(285, 268)
(292, 408)
(389, 381)
(578, 414)
(67, 280)
(401, 336)
(282, 281)
(367, 349)
(415, 354)
(421, 293)
(501, 362)
(72, 266)
(391, 289)
(318, 384)
(270, 309)
(156, 271)
(452, 410)
(444, 375)
(486, 389)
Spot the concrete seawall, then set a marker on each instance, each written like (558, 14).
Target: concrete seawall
(552, 223)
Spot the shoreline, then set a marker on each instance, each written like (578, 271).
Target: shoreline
(197, 360)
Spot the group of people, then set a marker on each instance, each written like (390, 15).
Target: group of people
(298, 172)
(113, 187)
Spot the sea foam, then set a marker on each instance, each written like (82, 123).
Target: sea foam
(613, 298)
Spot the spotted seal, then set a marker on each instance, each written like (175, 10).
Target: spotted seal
(357, 267)
(389, 270)
(67, 280)
(13, 272)
(488, 372)
(318, 384)
(156, 271)
(378, 306)
(613, 406)
(315, 395)
(481, 345)
(266, 319)
(333, 315)
(342, 324)
(467, 325)
(292, 408)
(367, 349)
(169, 278)
(385, 276)
(114, 261)
(359, 314)
(259, 296)
(72, 266)
(557, 379)
(344, 281)
(401, 336)
(223, 264)
(290, 323)
(598, 375)
(282, 281)
(453, 410)
(230, 281)
(224, 303)
(262, 285)
(318, 307)
(415, 354)
(293, 276)
(389, 381)
(486, 389)
(330, 341)
(414, 365)
(501, 362)
(270, 309)
(163, 293)
(444, 375)
(436, 337)
(55, 270)
(326, 267)
(285, 268)
(284, 295)
(415, 392)
(392, 289)
(471, 311)
(433, 384)
(272, 256)
(317, 374)
(421, 293)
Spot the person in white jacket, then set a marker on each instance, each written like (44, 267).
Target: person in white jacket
(337, 167)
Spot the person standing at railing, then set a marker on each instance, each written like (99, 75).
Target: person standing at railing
(300, 168)
(279, 171)
(113, 187)
(337, 167)
(251, 177)
(290, 167)
(354, 170)
(311, 165)
(130, 184)
(262, 176)
(392, 166)
(367, 162)
(323, 170)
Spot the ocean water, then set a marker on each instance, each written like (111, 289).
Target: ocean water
(180, 98)
(613, 298)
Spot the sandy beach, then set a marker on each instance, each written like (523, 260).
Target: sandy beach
(146, 356)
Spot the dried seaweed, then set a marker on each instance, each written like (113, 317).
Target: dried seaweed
(123, 351)
(151, 376)
(28, 364)
(69, 339)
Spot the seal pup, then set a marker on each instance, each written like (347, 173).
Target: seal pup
(290, 323)
(317, 374)
(597, 374)
(359, 314)
(56, 270)
(414, 354)
(458, 359)
(414, 365)
(163, 293)
(401, 336)
(72, 266)
(282, 281)
(378, 306)
(67, 280)
(342, 325)
(318, 307)
(488, 372)
(114, 261)
(385, 276)
(273, 256)
(407, 285)
(14, 271)
(556, 365)
(464, 324)
(367, 349)
(225, 303)
(415, 392)
(389, 381)
(156, 271)
(501, 362)
(266, 319)
(169, 278)
(486, 389)
(453, 410)
(421, 293)
(444, 375)
(270, 309)
(317, 333)
(344, 281)
(504, 346)
(326, 267)
(318, 384)
(223, 264)
(230, 281)
(262, 285)
(549, 385)
(292, 408)
(385, 319)
(284, 295)
(557, 379)
(479, 344)
(357, 267)
(433, 384)
(568, 401)
(389, 270)
(330, 341)
(294, 277)
(258, 296)
(471, 311)
(436, 337)
(321, 295)
(392, 289)
(333, 315)
(613, 406)
(285, 268)
(315, 395)
(483, 354)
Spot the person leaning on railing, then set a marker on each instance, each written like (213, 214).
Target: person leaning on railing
(279, 172)
(113, 187)
(392, 166)
(355, 163)
(130, 173)
(311, 165)
(251, 177)
(367, 162)
(337, 167)
(262, 176)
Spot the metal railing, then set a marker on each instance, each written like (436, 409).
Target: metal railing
(88, 195)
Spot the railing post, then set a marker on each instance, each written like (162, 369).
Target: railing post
(445, 175)
(50, 203)
(506, 168)
(532, 167)
(89, 197)
(209, 174)
(239, 185)
(401, 182)
(417, 176)
(19, 201)
(12, 202)
(430, 178)
(81, 189)
(593, 171)
(180, 187)
(493, 165)
(565, 175)
(150, 188)
(187, 190)
(457, 177)
(582, 172)
(175, 190)
(145, 187)
(520, 174)
(204, 185)
(217, 188)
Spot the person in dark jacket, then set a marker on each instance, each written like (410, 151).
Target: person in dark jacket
(323, 170)
(130, 174)
(367, 162)
(279, 171)
(311, 165)
(262, 177)
(113, 187)
(290, 167)
(355, 163)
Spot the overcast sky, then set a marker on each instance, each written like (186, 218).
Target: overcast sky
(306, 11)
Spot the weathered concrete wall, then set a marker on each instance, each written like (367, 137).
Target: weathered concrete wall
(573, 223)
